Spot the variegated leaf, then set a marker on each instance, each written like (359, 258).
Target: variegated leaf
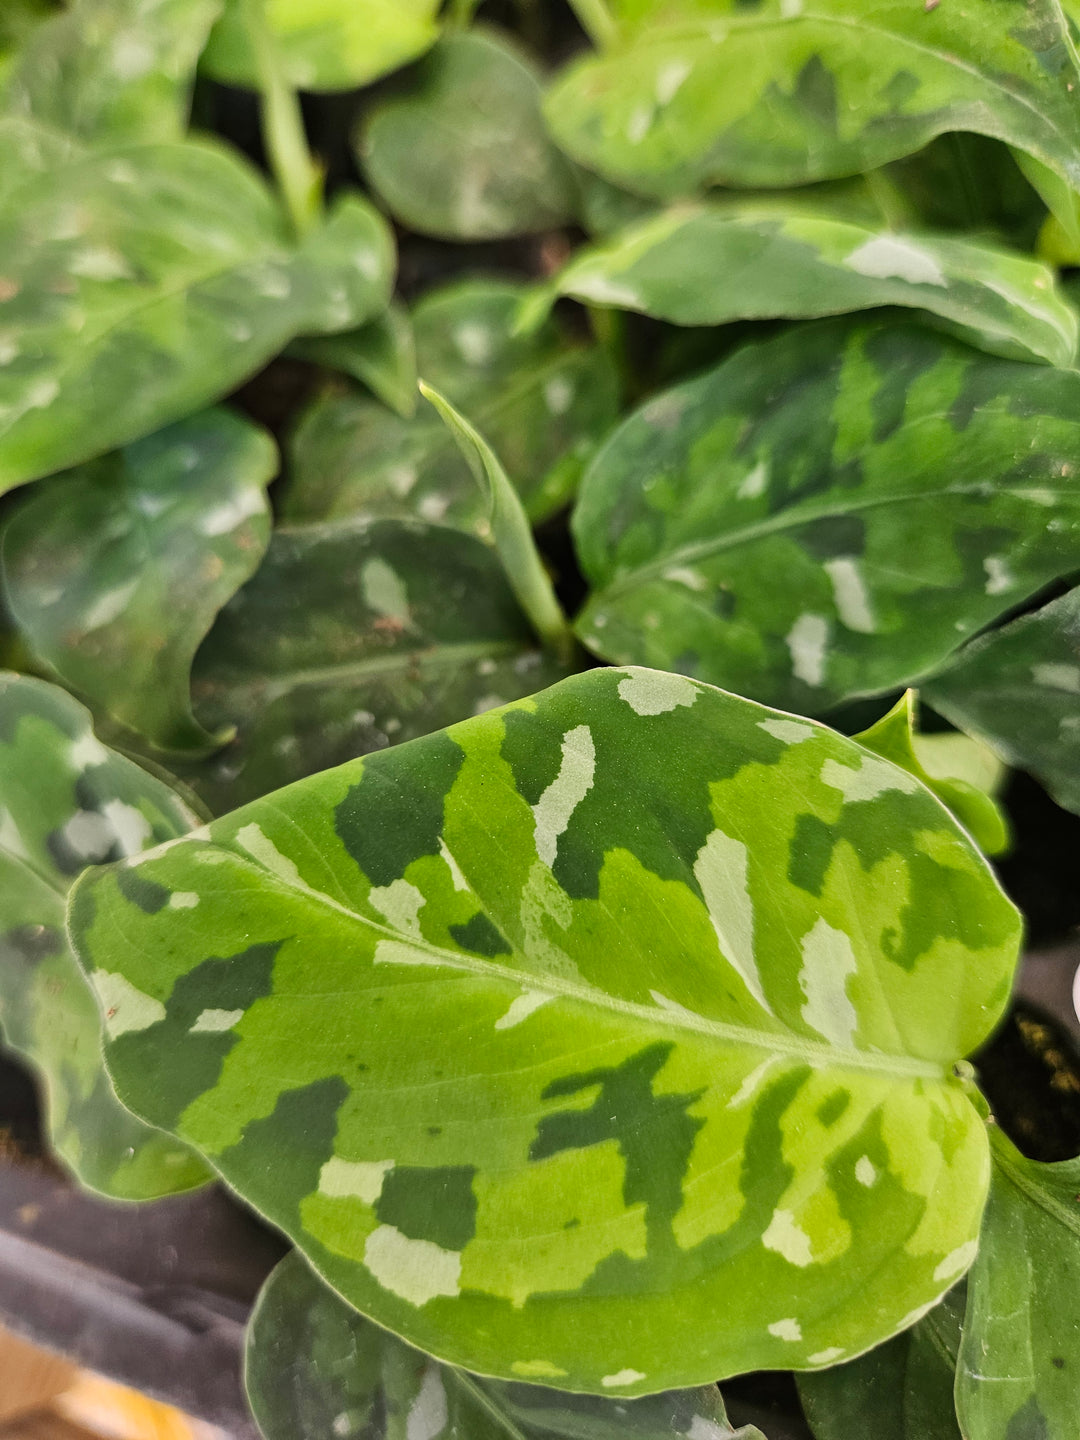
(543, 403)
(772, 93)
(352, 637)
(903, 1390)
(112, 71)
(381, 355)
(316, 1367)
(463, 153)
(708, 264)
(67, 802)
(1020, 1355)
(326, 44)
(114, 572)
(899, 491)
(547, 1035)
(139, 284)
(1018, 688)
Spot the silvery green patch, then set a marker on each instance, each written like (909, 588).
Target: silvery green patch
(495, 493)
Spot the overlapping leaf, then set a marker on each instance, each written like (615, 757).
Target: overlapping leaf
(708, 264)
(139, 284)
(351, 638)
(830, 513)
(114, 572)
(543, 404)
(1020, 1353)
(381, 355)
(464, 153)
(315, 1366)
(326, 44)
(1019, 688)
(903, 1390)
(67, 802)
(775, 94)
(546, 1035)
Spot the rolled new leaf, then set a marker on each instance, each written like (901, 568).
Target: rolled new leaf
(606, 1041)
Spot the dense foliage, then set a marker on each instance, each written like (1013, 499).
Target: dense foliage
(538, 451)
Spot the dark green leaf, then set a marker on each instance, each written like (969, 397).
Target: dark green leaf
(352, 637)
(67, 802)
(115, 571)
(782, 94)
(542, 403)
(464, 153)
(547, 1035)
(381, 355)
(1018, 688)
(899, 491)
(1019, 1372)
(316, 1367)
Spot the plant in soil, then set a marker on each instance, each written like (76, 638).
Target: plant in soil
(482, 487)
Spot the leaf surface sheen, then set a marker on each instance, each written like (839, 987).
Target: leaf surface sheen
(683, 980)
(67, 802)
(900, 490)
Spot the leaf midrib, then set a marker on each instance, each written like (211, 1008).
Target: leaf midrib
(1040, 1197)
(892, 1066)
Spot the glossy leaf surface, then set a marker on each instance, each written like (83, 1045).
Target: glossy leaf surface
(381, 355)
(326, 44)
(141, 284)
(770, 94)
(1020, 1356)
(899, 490)
(903, 1390)
(67, 802)
(315, 1366)
(1019, 689)
(114, 572)
(110, 71)
(464, 153)
(684, 981)
(706, 265)
(350, 638)
(542, 403)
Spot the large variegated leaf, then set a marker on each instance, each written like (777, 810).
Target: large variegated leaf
(351, 638)
(464, 153)
(776, 93)
(141, 284)
(67, 802)
(606, 1041)
(114, 572)
(903, 1390)
(708, 264)
(542, 402)
(1019, 1366)
(830, 513)
(1019, 689)
(110, 71)
(315, 1367)
(326, 44)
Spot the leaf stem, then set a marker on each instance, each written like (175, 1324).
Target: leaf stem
(597, 21)
(462, 12)
(298, 177)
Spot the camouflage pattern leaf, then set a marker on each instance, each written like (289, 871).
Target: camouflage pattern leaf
(67, 802)
(708, 264)
(327, 45)
(1020, 1353)
(381, 355)
(773, 94)
(546, 1035)
(464, 153)
(899, 490)
(112, 71)
(141, 284)
(903, 1390)
(114, 572)
(352, 637)
(317, 1367)
(1018, 688)
(542, 402)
